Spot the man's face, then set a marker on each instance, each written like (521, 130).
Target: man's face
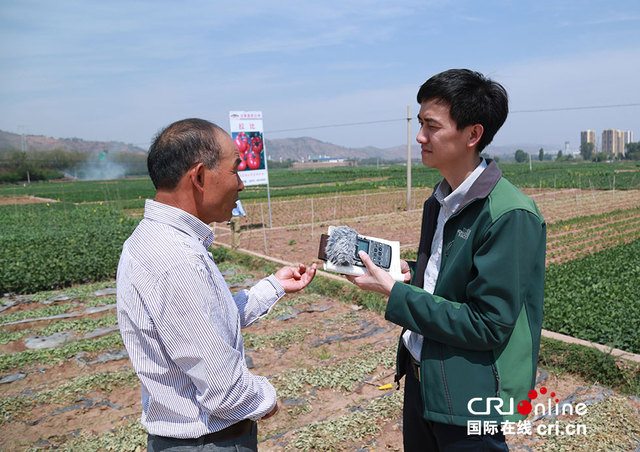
(444, 147)
(223, 183)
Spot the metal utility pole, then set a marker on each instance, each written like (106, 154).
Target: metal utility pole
(23, 140)
(408, 157)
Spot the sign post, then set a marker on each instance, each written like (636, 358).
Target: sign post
(247, 133)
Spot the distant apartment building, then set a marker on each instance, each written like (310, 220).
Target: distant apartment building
(628, 138)
(613, 142)
(324, 161)
(588, 136)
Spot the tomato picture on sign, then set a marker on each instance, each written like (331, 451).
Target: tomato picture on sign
(251, 148)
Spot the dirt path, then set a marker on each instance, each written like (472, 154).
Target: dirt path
(327, 360)
(23, 199)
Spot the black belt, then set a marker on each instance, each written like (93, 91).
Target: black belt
(415, 367)
(233, 431)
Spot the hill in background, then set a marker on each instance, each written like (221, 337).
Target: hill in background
(304, 148)
(41, 143)
(278, 149)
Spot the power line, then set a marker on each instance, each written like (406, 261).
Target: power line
(539, 110)
(338, 125)
(589, 107)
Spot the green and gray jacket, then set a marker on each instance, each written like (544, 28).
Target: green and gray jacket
(482, 324)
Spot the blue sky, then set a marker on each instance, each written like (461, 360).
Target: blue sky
(121, 70)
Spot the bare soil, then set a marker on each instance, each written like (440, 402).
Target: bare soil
(335, 332)
(298, 240)
(23, 199)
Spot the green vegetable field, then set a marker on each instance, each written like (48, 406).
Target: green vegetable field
(66, 382)
(50, 245)
(596, 297)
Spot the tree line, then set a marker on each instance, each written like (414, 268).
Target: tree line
(17, 166)
(587, 152)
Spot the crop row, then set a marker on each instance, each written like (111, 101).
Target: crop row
(596, 297)
(46, 246)
(79, 326)
(574, 250)
(50, 245)
(560, 227)
(307, 182)
(54, 384)
(19, 405)
(327, 208)
(563, 205)
(587, 230)
(566, 240)
(331, 396)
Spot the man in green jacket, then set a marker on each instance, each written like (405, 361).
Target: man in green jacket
(471, 305)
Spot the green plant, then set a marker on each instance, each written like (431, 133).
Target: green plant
(220, 254)
(131, 437)
(279, 339)
(591, 364)
(324, 353)
(347, 292)
(45, 247)
(611, 425)
(341, 375)
(56, 355)
(596, 297)
(9, 336)
(47, 311)
(16, 406)
(333, 433)
(79, 325)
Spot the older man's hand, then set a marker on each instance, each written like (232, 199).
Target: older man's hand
(294, 279)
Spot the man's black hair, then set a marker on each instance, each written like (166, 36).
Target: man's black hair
(472, 99)
(178, 147)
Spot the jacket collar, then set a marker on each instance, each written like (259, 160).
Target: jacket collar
(482, 185)
(480, 189)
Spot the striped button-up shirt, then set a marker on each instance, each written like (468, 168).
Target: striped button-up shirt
(181, 327)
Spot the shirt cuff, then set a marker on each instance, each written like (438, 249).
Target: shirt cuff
(276, 285)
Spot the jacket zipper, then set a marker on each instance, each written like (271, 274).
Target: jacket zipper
(497, 377)
(444, 382)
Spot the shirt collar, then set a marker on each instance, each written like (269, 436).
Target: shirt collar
(180, 220)
(449, 200)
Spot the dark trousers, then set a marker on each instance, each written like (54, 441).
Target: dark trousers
(422, 435)
(244, 443)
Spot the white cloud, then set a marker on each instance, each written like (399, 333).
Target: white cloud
(614, 17)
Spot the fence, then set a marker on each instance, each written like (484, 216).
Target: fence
(310, 211)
